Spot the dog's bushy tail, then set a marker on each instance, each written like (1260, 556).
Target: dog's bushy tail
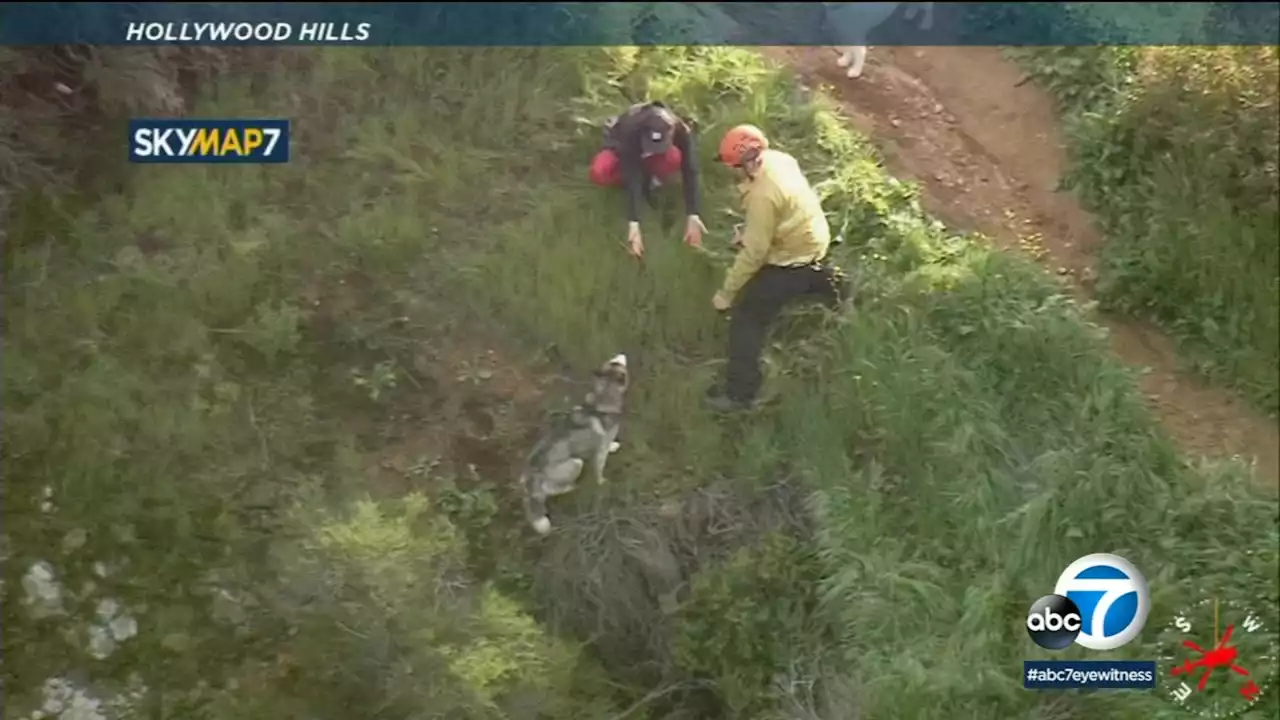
(535, 508)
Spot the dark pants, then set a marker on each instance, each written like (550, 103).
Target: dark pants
(765, 295)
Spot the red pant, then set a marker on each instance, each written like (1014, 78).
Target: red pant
(607, 170)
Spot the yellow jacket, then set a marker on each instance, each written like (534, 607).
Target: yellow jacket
(785, 224)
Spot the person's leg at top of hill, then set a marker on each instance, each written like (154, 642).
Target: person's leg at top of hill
(645, 146)
(782, 257)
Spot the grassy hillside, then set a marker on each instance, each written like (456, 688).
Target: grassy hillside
(275, 411)
(1175, 152)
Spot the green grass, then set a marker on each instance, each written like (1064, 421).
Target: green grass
(182, 362)
(1174, 151)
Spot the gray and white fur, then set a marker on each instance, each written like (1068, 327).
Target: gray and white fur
(582, 441)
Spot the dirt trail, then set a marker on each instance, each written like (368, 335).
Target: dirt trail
(987, 152)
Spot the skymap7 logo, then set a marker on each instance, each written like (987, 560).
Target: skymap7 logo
(209, 141)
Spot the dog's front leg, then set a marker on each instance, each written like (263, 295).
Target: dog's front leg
(598, 461)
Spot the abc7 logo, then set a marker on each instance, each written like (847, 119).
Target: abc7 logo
(1053, 622)
(1117, 601)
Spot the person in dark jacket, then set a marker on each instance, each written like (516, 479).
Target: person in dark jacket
(645, 146)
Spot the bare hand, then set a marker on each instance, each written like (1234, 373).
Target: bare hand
(693, 230)
(635, 243)
(720, 302)
(737, 236)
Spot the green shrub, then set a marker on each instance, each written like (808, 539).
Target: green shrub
(1174, 149)
(415, 632)
(749, 620)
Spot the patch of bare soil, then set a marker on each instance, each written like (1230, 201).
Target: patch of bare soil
(987, 151)
(485, 412)
(465, 407)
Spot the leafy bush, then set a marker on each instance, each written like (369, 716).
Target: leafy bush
(1175, 151)
(55, 99)
(414, 631)
(749, 620)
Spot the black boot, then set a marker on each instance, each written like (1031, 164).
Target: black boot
(718, 400)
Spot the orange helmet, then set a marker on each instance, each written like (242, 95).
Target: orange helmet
(741, 143)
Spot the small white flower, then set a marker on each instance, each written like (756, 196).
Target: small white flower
(107, 609)
(56, 695)
(44, 594)
(100, 643)
(41, 571)
(74, 540)
(83, 707)
(123, 628)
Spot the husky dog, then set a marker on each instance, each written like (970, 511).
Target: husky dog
(852, 21)
(584, 439)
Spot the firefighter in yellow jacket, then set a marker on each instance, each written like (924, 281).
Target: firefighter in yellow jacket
(782, 257)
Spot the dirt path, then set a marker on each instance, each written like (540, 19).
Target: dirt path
(988, 155)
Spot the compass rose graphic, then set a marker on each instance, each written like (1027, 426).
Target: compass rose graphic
(1219, 658)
